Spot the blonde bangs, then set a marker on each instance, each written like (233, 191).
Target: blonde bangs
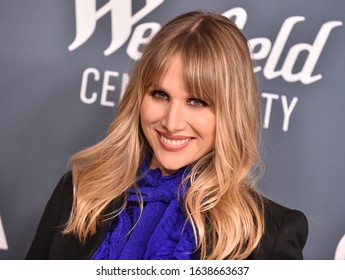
(200, 69)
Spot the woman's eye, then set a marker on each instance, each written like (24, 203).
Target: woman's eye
(197, 102)
(159, 94)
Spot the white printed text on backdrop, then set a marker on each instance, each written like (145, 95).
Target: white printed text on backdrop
(265, 52)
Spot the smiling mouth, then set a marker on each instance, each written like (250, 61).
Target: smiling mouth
(174, 143)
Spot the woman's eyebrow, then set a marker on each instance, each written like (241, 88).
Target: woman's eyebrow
(189, 94)
(158, 87)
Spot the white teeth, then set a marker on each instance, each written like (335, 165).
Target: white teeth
(174, 142)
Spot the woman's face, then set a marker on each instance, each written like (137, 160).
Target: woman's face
(179, 128)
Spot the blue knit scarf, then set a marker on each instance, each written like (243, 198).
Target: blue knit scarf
(161, 232)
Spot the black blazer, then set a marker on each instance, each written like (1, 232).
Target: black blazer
(285, 233)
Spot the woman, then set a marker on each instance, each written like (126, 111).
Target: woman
(174, 178)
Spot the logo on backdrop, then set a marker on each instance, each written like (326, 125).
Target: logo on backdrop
(122, 22)
(3, 242)
(265, 51)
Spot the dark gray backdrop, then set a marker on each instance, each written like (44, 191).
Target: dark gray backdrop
(44, 119)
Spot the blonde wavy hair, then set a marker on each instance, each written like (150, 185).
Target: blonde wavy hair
(222, 203)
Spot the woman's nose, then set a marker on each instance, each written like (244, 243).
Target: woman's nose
(173, 120)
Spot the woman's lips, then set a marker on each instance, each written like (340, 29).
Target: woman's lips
(173, 142)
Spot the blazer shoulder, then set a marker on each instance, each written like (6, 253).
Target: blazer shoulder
(55, 215)
(50, 242)
(64, 188)
(60, 203)
(277, 211)
(285, 233)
